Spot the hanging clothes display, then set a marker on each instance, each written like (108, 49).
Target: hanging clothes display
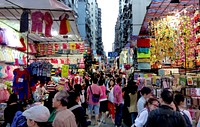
(64, 24)
(41, 70)
(21, 83)
(23, 44)
(24, 21)
(37, 21)
(48, 24)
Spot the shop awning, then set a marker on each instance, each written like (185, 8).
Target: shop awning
(11, 10)
(162, 8)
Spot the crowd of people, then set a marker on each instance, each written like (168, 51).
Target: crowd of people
(106, 96)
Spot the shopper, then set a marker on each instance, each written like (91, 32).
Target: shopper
(63, 117)
(165, 116)
(103, 101)
(12, 107)
(146, 94)
(77, 109)
(133, 100)
(118, 101)
(180, 101)
(37, 116)
(141, 119)
(91, 90)
(49, 101)
(111, 106)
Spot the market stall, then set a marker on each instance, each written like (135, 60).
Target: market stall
(33, 23)
(169, 43)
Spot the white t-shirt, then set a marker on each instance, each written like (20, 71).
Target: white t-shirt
(141, 119)
(140, 104)
(188, 114)
(111, 96)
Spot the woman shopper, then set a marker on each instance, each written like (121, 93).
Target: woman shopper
(103, 101)
(141, 119)
(180, 100)
(111, 106)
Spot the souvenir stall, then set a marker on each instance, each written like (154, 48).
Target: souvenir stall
(172, 39)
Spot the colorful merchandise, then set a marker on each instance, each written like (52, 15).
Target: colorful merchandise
(21, 83)
(64, 24)
(48, 24)
(37, 21)
(24, 21)
(23, 48)
(143, 43)
(3, 40)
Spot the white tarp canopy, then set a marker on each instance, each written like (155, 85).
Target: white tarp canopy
(11, 10)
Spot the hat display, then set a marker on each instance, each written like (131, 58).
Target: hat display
(38, 113)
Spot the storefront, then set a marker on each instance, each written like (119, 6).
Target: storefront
(36, 37)
(169, 43)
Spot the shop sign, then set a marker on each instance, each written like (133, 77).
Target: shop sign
(112, 54)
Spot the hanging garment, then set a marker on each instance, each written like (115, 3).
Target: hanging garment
(23, 44)
(48, 24)
(37, 21)
(64, 25)
(9, 73)
(21, 83)
(49, 49)
(3, 40)
(24, 21)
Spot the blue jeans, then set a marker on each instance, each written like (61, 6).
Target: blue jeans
(93, 107)
(118, 115)
(133, 117)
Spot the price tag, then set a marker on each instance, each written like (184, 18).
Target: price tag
(20, 80)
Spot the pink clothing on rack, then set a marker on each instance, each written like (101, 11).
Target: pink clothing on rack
(9, 73)
(48, 24)
(37, 21)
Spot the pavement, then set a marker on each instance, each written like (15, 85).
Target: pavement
(108, 123)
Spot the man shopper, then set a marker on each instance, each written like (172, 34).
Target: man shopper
(165, 116)
(146, 94)
(63, 117)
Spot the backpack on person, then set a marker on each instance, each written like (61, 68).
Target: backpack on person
(95, 97)
(187, 120)
(19, 120)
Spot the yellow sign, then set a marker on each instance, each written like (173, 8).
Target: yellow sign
(65, 69)
(72, 46)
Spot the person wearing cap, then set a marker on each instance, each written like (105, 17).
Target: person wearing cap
(62, 117)
(37, 116)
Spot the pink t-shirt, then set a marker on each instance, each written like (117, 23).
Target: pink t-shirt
(96, 90)
(117, 92)
(103, 96)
